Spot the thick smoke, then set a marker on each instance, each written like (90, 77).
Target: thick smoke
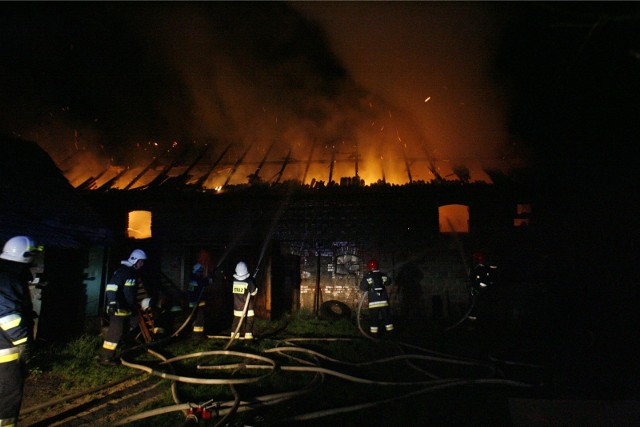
(385, 89)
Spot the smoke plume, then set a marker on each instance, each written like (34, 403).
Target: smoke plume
(384, 90)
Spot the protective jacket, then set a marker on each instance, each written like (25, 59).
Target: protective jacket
(243, 289)
(482, 276)
(122, 291)
(15, 332)
(15, 310)
(196, 295)
(375, 283)
(197, 283)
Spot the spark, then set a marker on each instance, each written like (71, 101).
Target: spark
(427, 99)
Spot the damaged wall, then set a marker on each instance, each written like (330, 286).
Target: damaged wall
(333, 231)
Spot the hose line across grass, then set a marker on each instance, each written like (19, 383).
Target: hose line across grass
(264, 363)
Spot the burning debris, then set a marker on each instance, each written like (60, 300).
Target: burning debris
(199, 167)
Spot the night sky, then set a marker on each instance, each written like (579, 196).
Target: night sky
(554, 86)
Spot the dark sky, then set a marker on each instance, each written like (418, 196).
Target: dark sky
(554, 83)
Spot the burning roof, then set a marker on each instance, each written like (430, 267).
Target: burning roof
(203, 166)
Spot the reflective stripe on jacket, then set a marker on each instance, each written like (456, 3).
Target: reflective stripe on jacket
(241, 289)
(14, 301)
(10, 354)
(123, 289)
(375, 284)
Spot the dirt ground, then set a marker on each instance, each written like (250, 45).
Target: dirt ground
(101, 407)
(41, 388)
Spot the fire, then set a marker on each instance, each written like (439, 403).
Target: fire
(385, 149)
(330, 163)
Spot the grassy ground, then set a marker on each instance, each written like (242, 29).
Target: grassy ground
(354, 388)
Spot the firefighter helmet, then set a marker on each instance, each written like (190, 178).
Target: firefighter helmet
(19, 249)
(136, 255)
(372, 265)
(242, 272)
(197, 267)
(478, 258)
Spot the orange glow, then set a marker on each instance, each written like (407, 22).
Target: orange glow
(384, 148)
(139, 225)
(388, 163)
(453, 218)
(523, 208)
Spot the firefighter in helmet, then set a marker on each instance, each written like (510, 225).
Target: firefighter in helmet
(482, 277)
(198, 283)
(121, 304)
(375, 283)
(15, 324)
(243, 288)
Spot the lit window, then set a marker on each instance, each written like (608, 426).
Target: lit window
(139, 225)
(523, 212)
(453, 218)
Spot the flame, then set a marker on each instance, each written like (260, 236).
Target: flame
(385, 148)
(333, 162)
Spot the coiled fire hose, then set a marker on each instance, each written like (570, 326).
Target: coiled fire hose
(271, 366)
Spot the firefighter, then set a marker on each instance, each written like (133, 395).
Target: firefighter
(199, 281)
(481, 278)
(121, 304)
(15, 324)
(243, 288)
(375, 284)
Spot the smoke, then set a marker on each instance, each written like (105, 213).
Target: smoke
(408, 52)
(381, 88)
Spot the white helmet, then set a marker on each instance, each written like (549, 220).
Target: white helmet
(241, 271)
(145, 303)
(197, 267)
(135, 256)
(19, 249)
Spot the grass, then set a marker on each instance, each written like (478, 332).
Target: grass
(74, 363)
(76, 367)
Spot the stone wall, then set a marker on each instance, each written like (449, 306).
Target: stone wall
(429, 285)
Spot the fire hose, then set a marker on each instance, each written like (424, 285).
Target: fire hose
(472, 304)
(276, 217)
(193, 411)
